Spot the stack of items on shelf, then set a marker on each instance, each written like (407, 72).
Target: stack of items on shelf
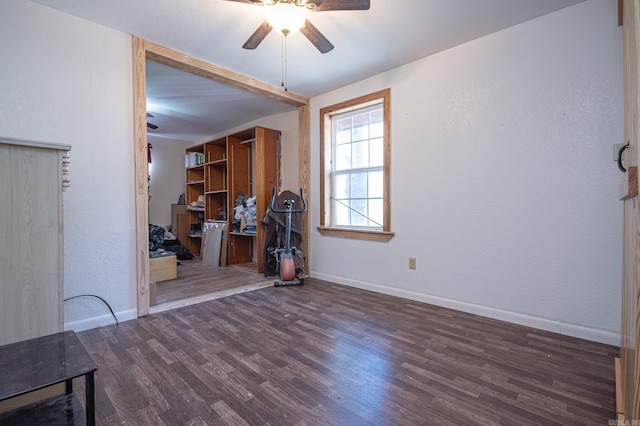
(245, 217)
(198, 204)
(192, 159)
(250, 217)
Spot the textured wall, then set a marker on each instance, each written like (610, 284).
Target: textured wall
(167, 177)
(67, 80)
(503, 184)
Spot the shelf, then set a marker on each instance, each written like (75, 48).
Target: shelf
(219, 163)
(62, 409)
(198, 235)
(199, 166)
(195, 209)
(245, 161)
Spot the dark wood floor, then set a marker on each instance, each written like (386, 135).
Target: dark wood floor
(324, 354)
(197, 280)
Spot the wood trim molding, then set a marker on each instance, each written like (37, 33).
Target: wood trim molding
(628, 379)
(183, 62)
(304, 159)
(143, 50)
(141, 174)
(629, 184)
(356, 234)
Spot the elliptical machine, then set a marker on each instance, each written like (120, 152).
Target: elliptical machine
(285, 256)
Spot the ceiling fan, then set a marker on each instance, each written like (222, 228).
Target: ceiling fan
(149, 125)
(280, 8)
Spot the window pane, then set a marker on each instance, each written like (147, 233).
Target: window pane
(376, 149)
(341, 214)
(360, 155)
(342, 186)
(359, 185)
(359, 213)
(376, 184)
(361, 127)
(343, 130)
(377, 124)
(376, 212)
(343, 157)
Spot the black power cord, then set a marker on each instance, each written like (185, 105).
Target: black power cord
(93, 295)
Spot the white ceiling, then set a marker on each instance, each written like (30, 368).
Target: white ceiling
(188, 107)
(391, 33)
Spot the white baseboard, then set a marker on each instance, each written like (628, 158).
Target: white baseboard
(600, 336)
(95, 322)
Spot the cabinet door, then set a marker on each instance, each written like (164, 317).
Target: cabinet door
(267, 178)
(31, 254)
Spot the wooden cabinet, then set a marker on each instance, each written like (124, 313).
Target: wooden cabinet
(243, 162)
(253, 156)
(33, 176)
(179, 222)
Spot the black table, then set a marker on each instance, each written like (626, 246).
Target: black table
(38, 363)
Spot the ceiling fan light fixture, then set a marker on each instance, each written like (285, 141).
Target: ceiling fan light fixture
(285, 18)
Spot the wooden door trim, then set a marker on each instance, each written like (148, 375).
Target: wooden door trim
(628, 365)
(143, 50)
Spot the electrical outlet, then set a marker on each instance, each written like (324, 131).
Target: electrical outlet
(412, 263)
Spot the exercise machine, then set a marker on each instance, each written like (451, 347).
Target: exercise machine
(286, 256)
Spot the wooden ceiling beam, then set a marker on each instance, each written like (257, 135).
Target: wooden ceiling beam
(165, 56)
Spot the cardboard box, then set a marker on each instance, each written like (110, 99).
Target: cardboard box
(163, 268)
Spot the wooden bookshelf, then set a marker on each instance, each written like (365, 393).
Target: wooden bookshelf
(243, 162)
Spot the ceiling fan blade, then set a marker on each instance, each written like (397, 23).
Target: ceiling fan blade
(151, 126)
(257, 37)
(328, 5)
(315, 36)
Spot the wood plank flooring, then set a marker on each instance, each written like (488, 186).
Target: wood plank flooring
(198, 282)
(325, 354)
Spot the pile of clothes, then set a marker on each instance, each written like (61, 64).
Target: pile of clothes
(161, 240)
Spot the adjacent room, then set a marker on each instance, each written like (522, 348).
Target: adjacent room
(467, 250)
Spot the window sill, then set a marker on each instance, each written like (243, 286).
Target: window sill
(356, 234)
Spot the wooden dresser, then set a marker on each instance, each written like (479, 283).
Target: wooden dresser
(33, 176)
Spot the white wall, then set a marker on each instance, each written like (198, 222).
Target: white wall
(503, 184)
(67, 80)
(167, 177)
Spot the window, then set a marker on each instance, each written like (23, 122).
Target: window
(355, 150)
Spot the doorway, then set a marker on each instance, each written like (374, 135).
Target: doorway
(143, 50)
